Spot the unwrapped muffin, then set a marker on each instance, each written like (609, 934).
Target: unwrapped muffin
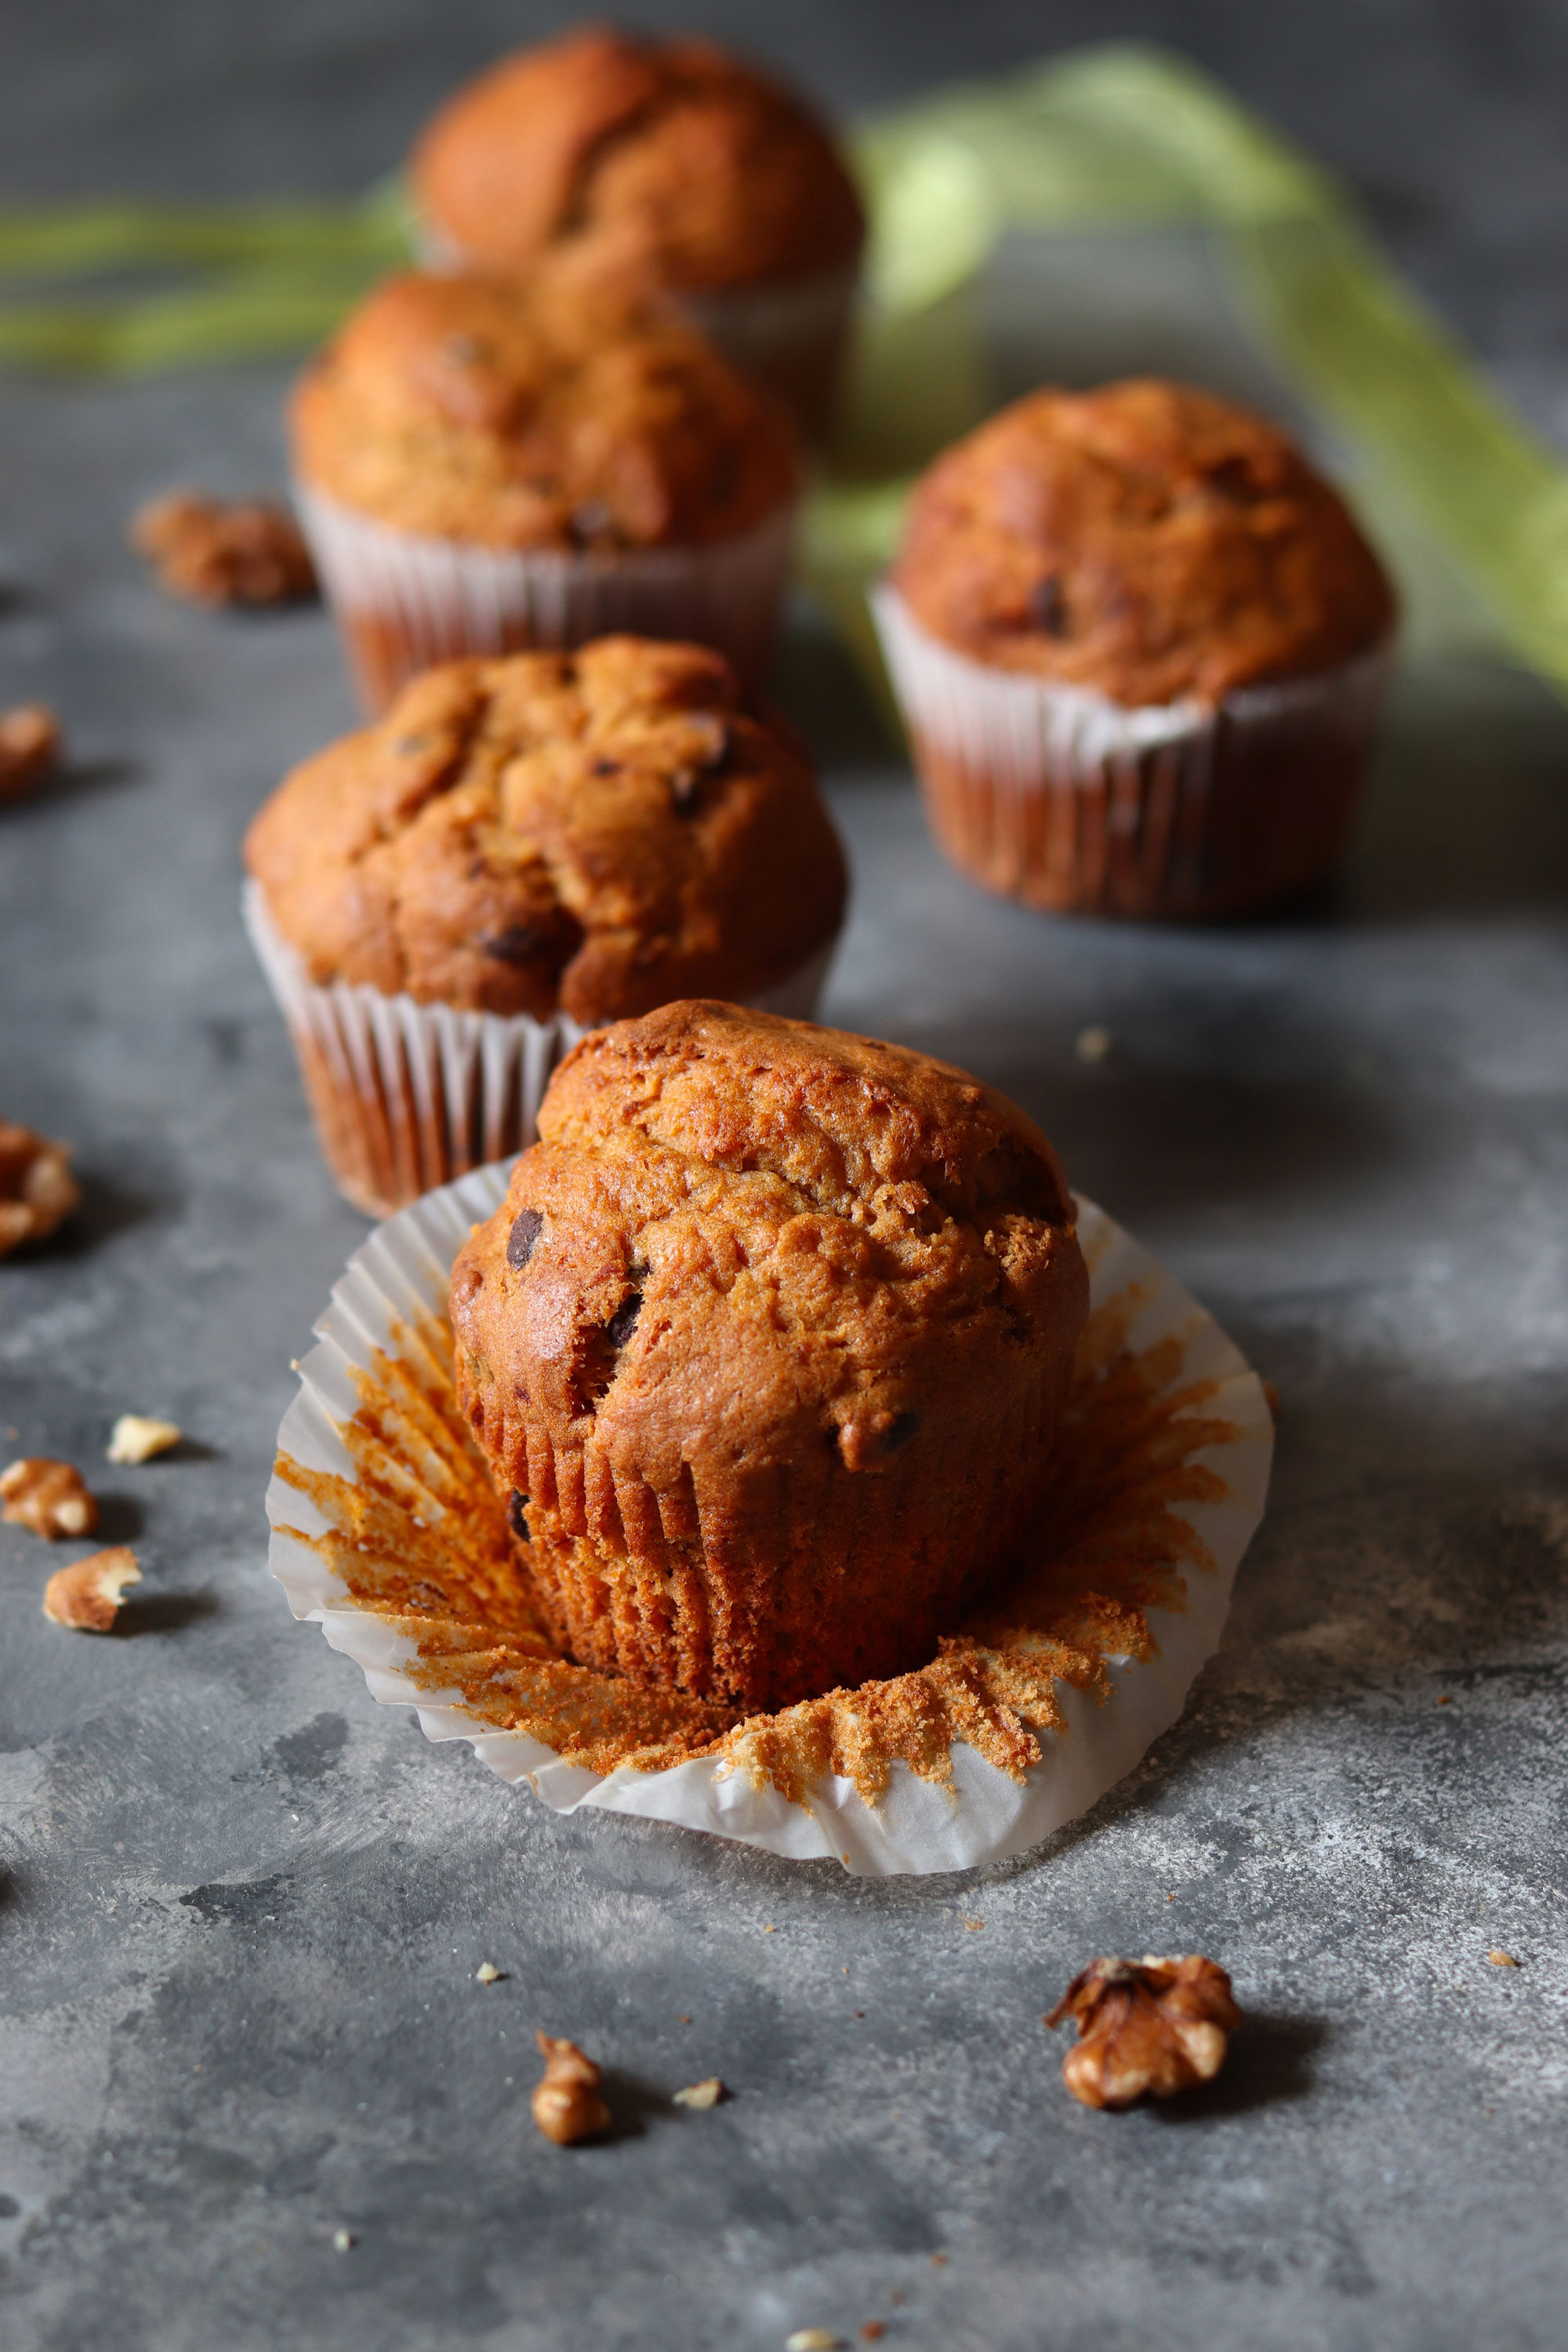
(1139, 644)
(520, 850)
(768, 1345)
(673, 161)
(483, 466)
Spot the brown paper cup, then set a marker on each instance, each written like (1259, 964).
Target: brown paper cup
(1057, 796)
(403, 602)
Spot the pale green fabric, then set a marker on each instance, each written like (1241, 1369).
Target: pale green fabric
(1118, 138)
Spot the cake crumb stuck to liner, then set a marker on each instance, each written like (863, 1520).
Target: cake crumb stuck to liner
(50, 1497)
(87, 1596)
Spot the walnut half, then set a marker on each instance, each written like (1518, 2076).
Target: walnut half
(38, 1191)
(566, 2102)
(30, 748)
(217, 552)
(87, 1595)
(1152, 2026)
(47, 1497)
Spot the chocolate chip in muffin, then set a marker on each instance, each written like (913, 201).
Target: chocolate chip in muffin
(517, 1515)
(623, 1322)
(1048, 606)
(519, 943)
(526, 1229)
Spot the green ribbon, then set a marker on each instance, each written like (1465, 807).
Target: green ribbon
(1116, 137)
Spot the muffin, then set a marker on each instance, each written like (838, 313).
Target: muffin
(520, 850)
(1140, 645)
(483, 466)
(671, 159)
(768, 1346)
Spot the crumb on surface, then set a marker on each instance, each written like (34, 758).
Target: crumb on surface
(38, 1191)
(341, 2241)
(1501, 1959)
(566, 2103)
(30, 744)
(87, 1596)
(703, 2094)
(225, 551)
(1094, 1043)
(487, 1973)
(51, 1498)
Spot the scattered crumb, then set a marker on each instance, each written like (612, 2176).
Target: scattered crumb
(1445, 1700)
(705, 2093)
(683, 2020)
(487, 1973)
(1501, 1960)
(859, 2013)
(566, 2102)
(217, 552)
(1094, 1043)
(1271, 1399)
(813, 2339)
(30, 748)
(769, 1931)
(974, 1925)
(137, 1437)
(87, 1595)
(342, 2239)
(47, 1497)
(1172, 1897)
(938, 2260)
(873, 2330)
(38, 1191)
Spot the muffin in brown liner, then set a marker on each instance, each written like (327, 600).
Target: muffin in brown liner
(1140, 645)
(770, 1340)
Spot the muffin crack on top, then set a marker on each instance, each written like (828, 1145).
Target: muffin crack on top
(769, 1342)
(590, 833)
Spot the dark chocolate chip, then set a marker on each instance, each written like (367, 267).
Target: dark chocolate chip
(591, 520)
(623, 1322)
(606, 768)
(902, 1430)
(683, 789)
(464, 350)
(515, 1518)
(1048, 605)
(517, 943)
(525, 1231)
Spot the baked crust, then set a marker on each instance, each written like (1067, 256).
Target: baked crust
(672, 153)
(771, 1338)
(563, 413)
(593, 832)
(1146, 541)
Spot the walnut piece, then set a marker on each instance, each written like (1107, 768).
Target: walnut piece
(30, 748)
(212, 552)
(566, 2102)
(1153, 2025)
(86, 1596)
(137, 1437)
(47, 1497)
(705, 2093)
(38, 1191)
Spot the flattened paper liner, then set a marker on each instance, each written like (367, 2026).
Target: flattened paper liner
(386, 1533)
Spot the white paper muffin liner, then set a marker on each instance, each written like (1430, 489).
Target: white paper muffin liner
(408, 1096)
(1058, 796)
(403, 602)
(400, 1278)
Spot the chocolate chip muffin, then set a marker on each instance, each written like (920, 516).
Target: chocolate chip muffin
(1139, 641)
(483, 466)
(768, 1346)
(521, 849)
(667, 158)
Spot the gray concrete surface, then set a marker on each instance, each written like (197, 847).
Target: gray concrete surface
(241, 1905)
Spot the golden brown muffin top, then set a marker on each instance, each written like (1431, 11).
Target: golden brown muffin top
(1146, 541)
(555, 413)
(741, 1235)
(594, 831)
(672, 153)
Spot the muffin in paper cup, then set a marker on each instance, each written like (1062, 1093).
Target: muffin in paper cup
(403, 602)
(1140, 645)
(1055, 796)
(669, 161)
(490, 464)
(388, 1534)
(445, 902)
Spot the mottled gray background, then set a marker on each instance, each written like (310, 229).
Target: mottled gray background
(242, 1907)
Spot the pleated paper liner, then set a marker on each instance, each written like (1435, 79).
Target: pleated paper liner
(388, 1534)
(403, 602)
(407, 1096)
(1059, 797)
